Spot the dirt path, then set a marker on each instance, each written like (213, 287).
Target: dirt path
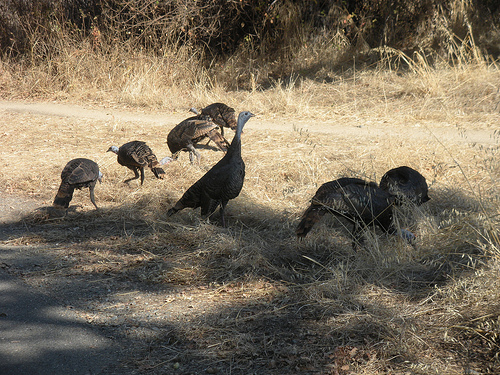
(372, 128)
(13, 207)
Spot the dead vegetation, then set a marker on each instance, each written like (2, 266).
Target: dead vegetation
(186, 296)
(189, 296)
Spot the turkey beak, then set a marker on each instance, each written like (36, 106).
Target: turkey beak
(409, 237)
(166, 160)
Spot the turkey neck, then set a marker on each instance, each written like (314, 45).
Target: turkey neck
(235, 148)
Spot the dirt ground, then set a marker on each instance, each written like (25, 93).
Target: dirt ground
(166, 336)
(421, 131)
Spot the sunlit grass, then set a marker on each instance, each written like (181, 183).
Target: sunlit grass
(404, 308)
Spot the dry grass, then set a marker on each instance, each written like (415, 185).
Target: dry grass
(258, 300)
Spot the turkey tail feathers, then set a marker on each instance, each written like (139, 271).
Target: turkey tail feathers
(158, 172)
(310, 217)
(64, 195)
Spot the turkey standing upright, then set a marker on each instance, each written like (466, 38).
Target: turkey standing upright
(221, 183)
(192, 130)
(137, 155)
(77, 174)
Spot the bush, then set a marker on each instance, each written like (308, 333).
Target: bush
(216, 29)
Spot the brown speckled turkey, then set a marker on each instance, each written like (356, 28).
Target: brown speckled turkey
(137, 155)
(77, 174)
(221, 183)
(185, 135)
(221, 115)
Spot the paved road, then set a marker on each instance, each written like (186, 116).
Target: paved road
(38, 336)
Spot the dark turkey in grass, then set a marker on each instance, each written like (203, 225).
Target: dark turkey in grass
(221, 183)
(365, 203)
(407, 184)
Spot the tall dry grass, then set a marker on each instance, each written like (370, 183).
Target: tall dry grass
(410, 310)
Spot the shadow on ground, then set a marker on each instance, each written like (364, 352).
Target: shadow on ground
(41, 336)
(285, 330)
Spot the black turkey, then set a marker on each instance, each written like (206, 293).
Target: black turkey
(185, 135)
(221, 115)
(361, 202)
(221, 183)
(137, 155)
(408, 185)
(77, 174)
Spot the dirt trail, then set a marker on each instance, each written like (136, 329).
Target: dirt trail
(372, 128)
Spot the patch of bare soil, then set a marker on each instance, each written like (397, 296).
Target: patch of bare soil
(13, 207)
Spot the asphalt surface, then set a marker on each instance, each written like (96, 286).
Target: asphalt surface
(38, 336)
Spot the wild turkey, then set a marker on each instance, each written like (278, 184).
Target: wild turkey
(358, 201)
(137, 155)
(221, 183)
(77, 174)
(189, 132)
(363, 202)
(406, 184)
(221, 115)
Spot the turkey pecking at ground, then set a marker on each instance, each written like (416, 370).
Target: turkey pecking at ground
(137, 155)
(77, 174)
(408, 185)
(221, 183)
(185, 135)
(361, 202)
(365, 203)
(221, 115)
